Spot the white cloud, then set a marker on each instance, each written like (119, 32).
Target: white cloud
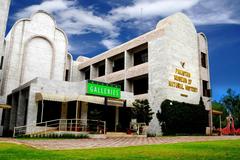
(147, 9)
(110, 43)
(202, 12)
(72, 18)
(215, 12)
(140, 15)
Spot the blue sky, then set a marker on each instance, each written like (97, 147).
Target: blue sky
(94, 26)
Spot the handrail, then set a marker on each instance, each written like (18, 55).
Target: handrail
(59, 124)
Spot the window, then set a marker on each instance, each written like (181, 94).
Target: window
(67, 75)
(101, 70)
(118, 64)
(1, 63)
(206, 91)
(204, 60)
(120, 83)
(141, 57)
(140, 85)
(87, 73)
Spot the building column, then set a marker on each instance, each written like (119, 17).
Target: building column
(21, 109)
(42, 111)
(93, 72)
(108, 66)
(84, 112)
(64, 110)
(128, 86)
(128, 60)
(116, 118)
(13, 113)
(1, 118)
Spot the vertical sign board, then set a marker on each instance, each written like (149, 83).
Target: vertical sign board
(103, 89)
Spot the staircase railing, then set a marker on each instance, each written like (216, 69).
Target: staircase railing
(65, 125)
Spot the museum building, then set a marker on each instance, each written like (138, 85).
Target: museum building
(42, 83)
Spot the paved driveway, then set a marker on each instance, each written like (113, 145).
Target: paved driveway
(112, 142)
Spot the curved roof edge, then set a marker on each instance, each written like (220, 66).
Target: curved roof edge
(179, 15)
(29, 19)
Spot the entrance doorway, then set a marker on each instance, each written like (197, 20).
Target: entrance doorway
(109, 114)
(124, 119)
(103, 113)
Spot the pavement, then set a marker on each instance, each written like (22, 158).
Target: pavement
(61, 144)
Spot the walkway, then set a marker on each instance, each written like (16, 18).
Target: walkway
(112, 142)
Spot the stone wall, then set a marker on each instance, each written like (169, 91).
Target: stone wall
(35, 47)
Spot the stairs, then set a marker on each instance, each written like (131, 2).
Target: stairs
(122, 134)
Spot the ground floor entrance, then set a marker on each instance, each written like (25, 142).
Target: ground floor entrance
(117, 118)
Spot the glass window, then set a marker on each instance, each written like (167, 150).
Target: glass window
(204, 60)
(118, 64)
(141, 57)
(101, 70)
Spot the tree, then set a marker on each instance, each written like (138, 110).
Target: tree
(182, 118)
(219, 107)
(142, 111)
(231, 101)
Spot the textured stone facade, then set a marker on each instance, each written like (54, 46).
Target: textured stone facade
(35, 47)
(4, 9)
(173, 46)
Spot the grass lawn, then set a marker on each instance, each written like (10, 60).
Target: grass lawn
(217, 150)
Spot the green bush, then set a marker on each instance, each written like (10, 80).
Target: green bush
(179, 118)
(55, 135)
(142, 111)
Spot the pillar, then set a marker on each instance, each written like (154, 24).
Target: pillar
(108, 66)
(116, 118)
(64, 110)
(93, 72)
(13, 113)
(21, 109)
(128, 60)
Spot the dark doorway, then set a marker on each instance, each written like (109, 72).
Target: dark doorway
(71, 110)
(110, 118)
(103, 113)
(51, 111)
(124, 119)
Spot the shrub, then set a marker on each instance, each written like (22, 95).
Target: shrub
(182, 118)
(142, 111)
(56, 135)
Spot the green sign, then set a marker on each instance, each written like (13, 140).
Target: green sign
(103, 89)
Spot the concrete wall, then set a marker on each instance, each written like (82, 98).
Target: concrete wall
(56, 87)
(178, 45)
(173, 45)
(35, 48)
(4, 9)
(204, 72)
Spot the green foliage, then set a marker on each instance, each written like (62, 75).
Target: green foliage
(231, 101)
(219, 107)
(142, 111)
(182, 118)
(55, 135)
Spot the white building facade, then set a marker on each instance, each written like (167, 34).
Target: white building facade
(169, 62)
(4, 9)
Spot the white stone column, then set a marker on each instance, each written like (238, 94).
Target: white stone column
(64, 110)
(108, 66)
(116, 118)
(93, 72)
(128, 60)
